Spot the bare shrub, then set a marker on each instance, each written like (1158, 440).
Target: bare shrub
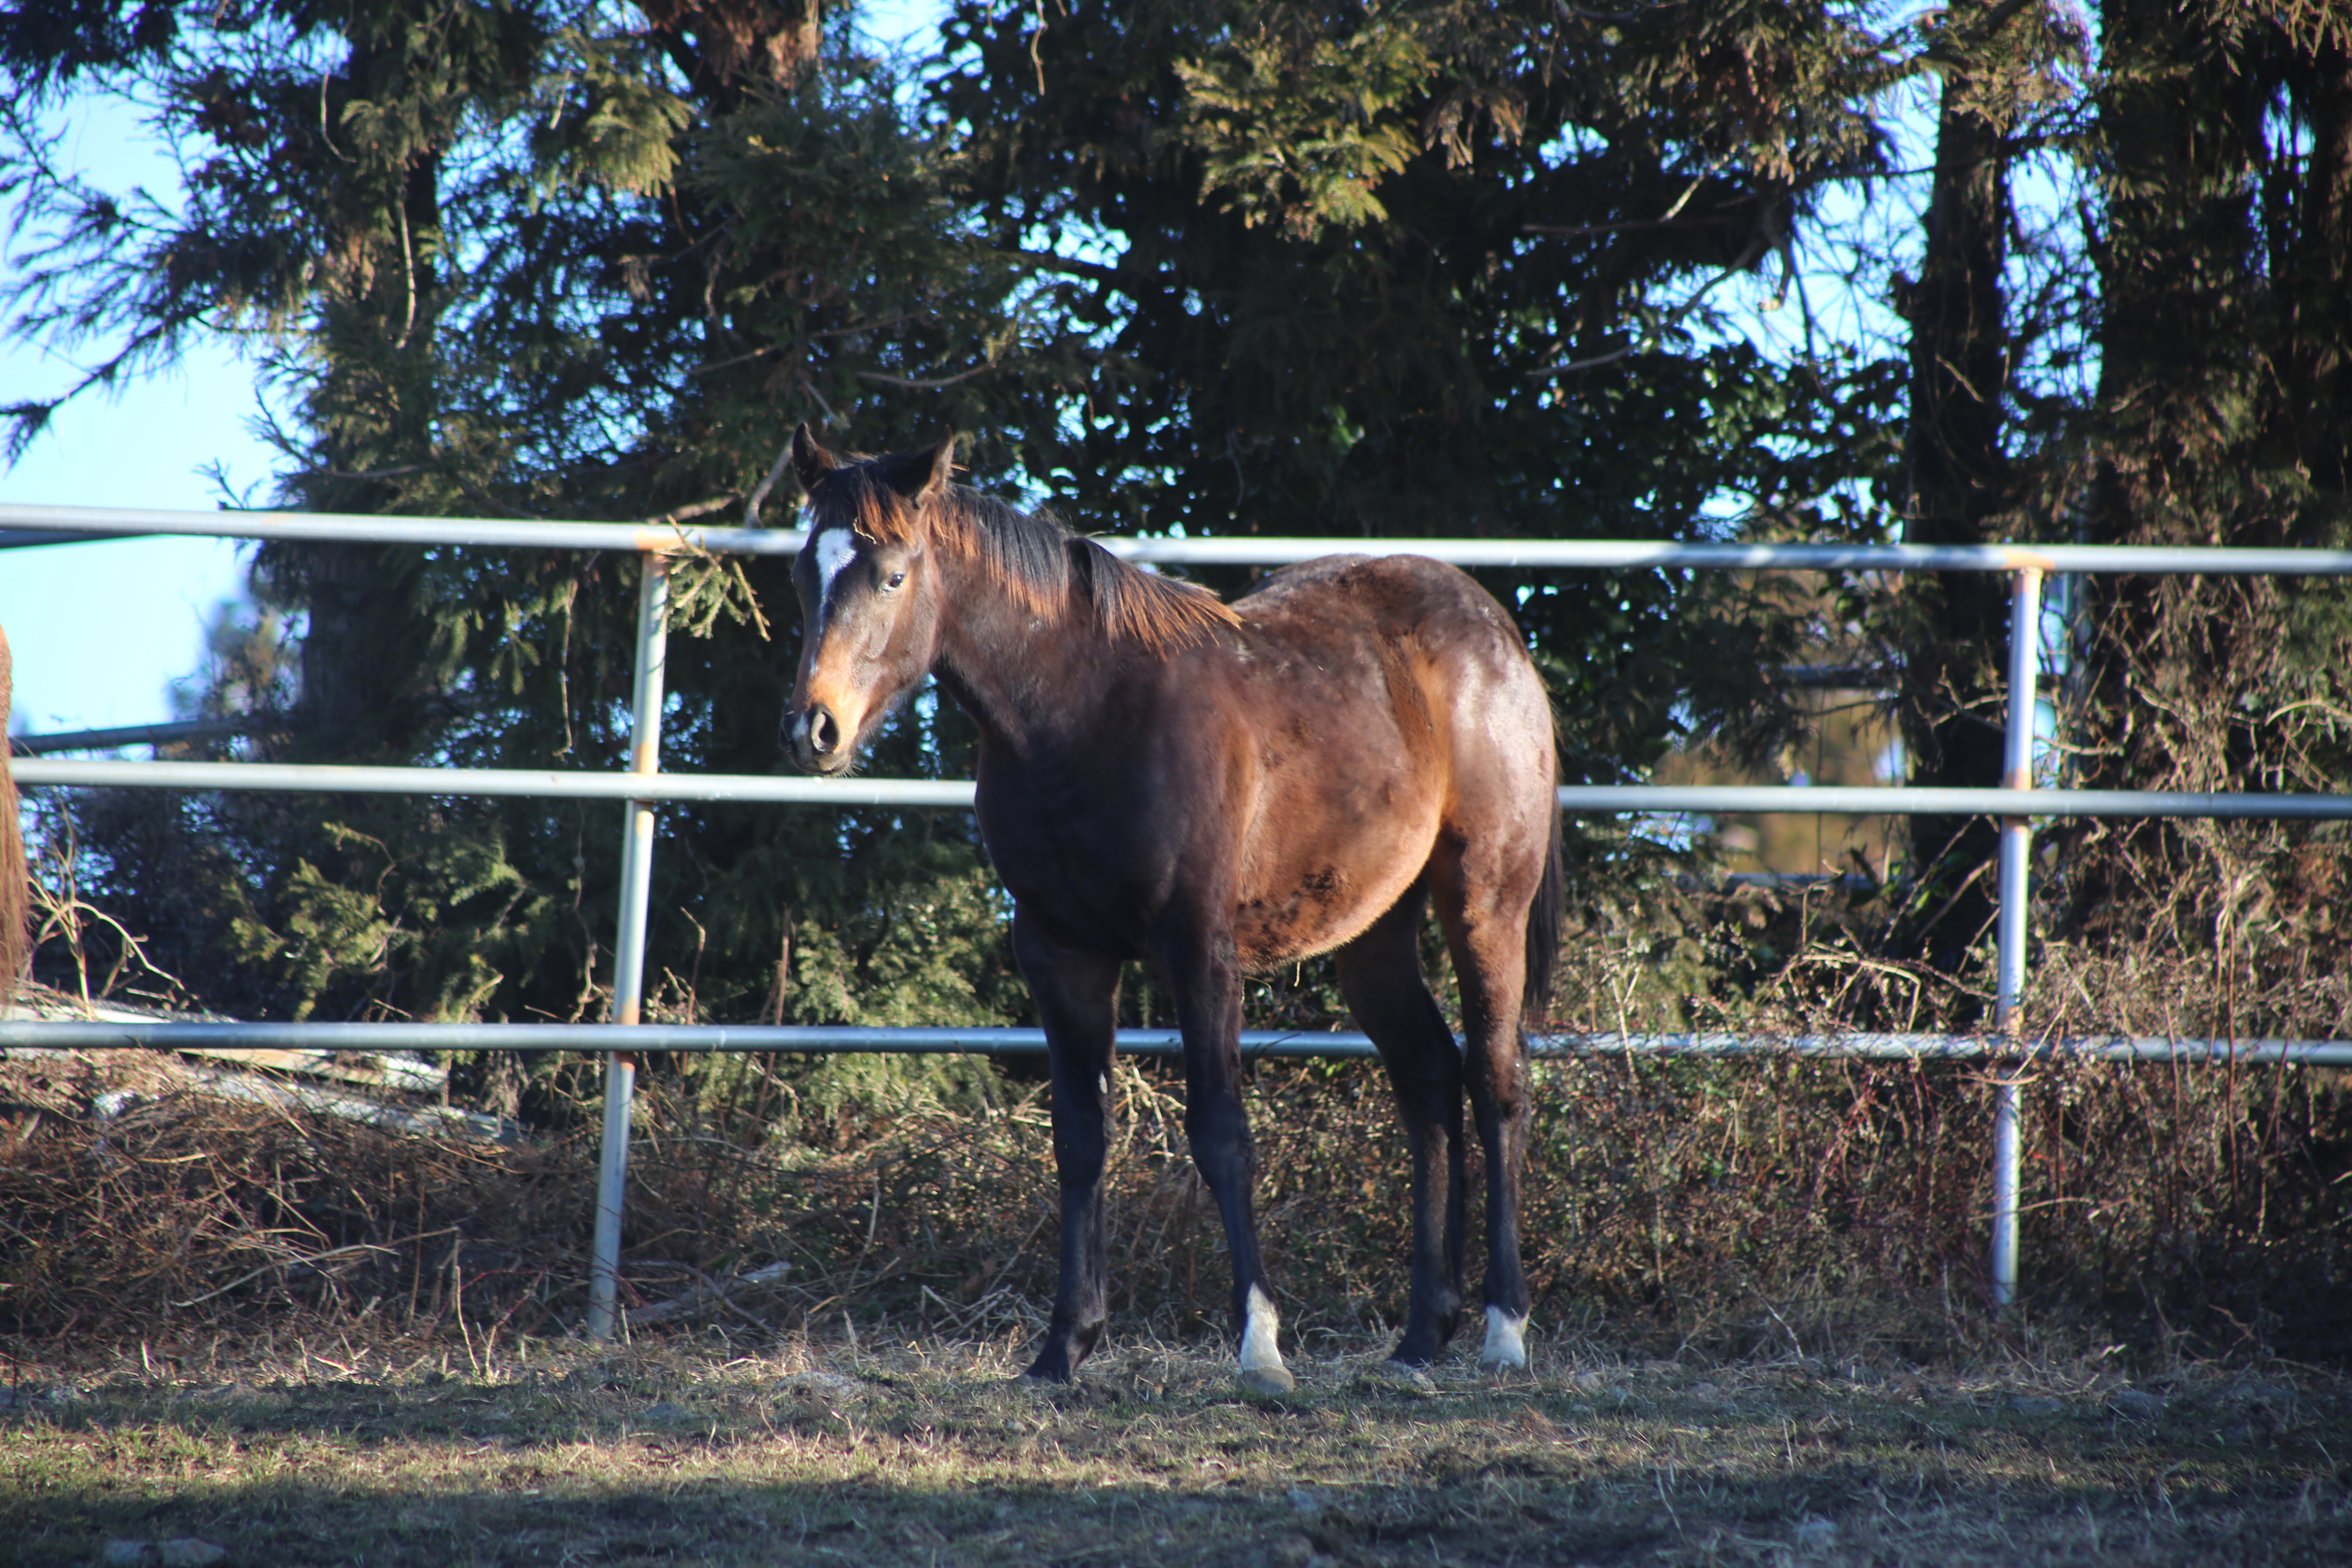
(1760, 1205)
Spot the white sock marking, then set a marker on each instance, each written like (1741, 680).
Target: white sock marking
(1507, 1345)
(1258, 1351)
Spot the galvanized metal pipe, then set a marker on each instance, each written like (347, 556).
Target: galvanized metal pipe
(25, 1034)
(329, 528)
(2016, 852)
(164, 734)
(546, 783)
(629, 949)
(1602, 554)
(1645, 555)
(2017, 777)
(952, 795)
(611, 1192)
(1871, 800)
(645, 765)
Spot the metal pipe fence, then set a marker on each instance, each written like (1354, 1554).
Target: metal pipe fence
(950, 795)
(659, 535)
(656, 540)
(1256, 1045)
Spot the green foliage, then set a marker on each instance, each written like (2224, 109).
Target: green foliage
(1293, 123)
(2222, 416)
(515, 266)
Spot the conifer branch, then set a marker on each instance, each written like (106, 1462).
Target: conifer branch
(1046, 261)
(934, 385)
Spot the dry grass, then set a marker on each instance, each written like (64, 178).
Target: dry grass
(1744, 1208)
(920, 1451)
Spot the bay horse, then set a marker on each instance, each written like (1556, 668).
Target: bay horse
(1218, 789)
(16, 880)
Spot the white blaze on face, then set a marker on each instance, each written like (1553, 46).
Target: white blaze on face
(1506, 1342)
(1258, 1351)
(836, 549)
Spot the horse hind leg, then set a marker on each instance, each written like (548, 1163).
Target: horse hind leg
(1381, 975)
(1483, 902)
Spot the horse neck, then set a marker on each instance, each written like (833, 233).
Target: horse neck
(1033, 682)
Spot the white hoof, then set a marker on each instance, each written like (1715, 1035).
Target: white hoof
(1268, 1379)
(1507, 1341)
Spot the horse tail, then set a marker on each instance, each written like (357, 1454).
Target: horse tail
(15, 881)
(1544, 922)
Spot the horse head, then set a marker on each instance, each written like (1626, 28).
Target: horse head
(869, 590)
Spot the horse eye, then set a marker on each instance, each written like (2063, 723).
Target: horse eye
(895, 579)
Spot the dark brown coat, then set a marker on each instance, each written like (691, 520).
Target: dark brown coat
(1215, 789)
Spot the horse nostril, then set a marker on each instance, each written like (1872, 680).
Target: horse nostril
(824, 733)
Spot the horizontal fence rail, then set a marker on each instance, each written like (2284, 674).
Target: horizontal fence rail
(1256, 1045)
(657, 540)
(57, 522)
(1842, 800)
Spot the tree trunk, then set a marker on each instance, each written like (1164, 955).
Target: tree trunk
(1959, 484)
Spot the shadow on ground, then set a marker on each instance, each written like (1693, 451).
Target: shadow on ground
(928, 1457)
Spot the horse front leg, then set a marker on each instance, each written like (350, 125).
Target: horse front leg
(1203, 975)
(1078, 1001)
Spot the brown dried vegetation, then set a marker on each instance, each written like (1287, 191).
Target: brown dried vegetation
(1753, 1205)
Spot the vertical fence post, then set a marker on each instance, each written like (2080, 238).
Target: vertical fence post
(2016, 845)
(629, 951)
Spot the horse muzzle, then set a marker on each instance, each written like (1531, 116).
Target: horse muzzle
(817, 741)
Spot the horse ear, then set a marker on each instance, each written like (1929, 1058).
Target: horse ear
(919, 476)
(942, 466)
(811, 461)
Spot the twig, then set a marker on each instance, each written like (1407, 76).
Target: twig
(677, 515)
(712, 1292)
(312, 1262)
(759, 491)
(923, 386)
(1046, 261)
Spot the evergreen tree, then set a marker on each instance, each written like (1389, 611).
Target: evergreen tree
(1184, 265)
(531, 260)
(2224, 415)
(1443, 269)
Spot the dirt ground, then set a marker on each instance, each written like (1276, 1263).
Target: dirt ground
(930, 1454)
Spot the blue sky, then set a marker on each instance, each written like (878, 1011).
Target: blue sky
(100, 631)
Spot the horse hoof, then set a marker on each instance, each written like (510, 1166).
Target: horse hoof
(1506, 1346)
(1268, 1379)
